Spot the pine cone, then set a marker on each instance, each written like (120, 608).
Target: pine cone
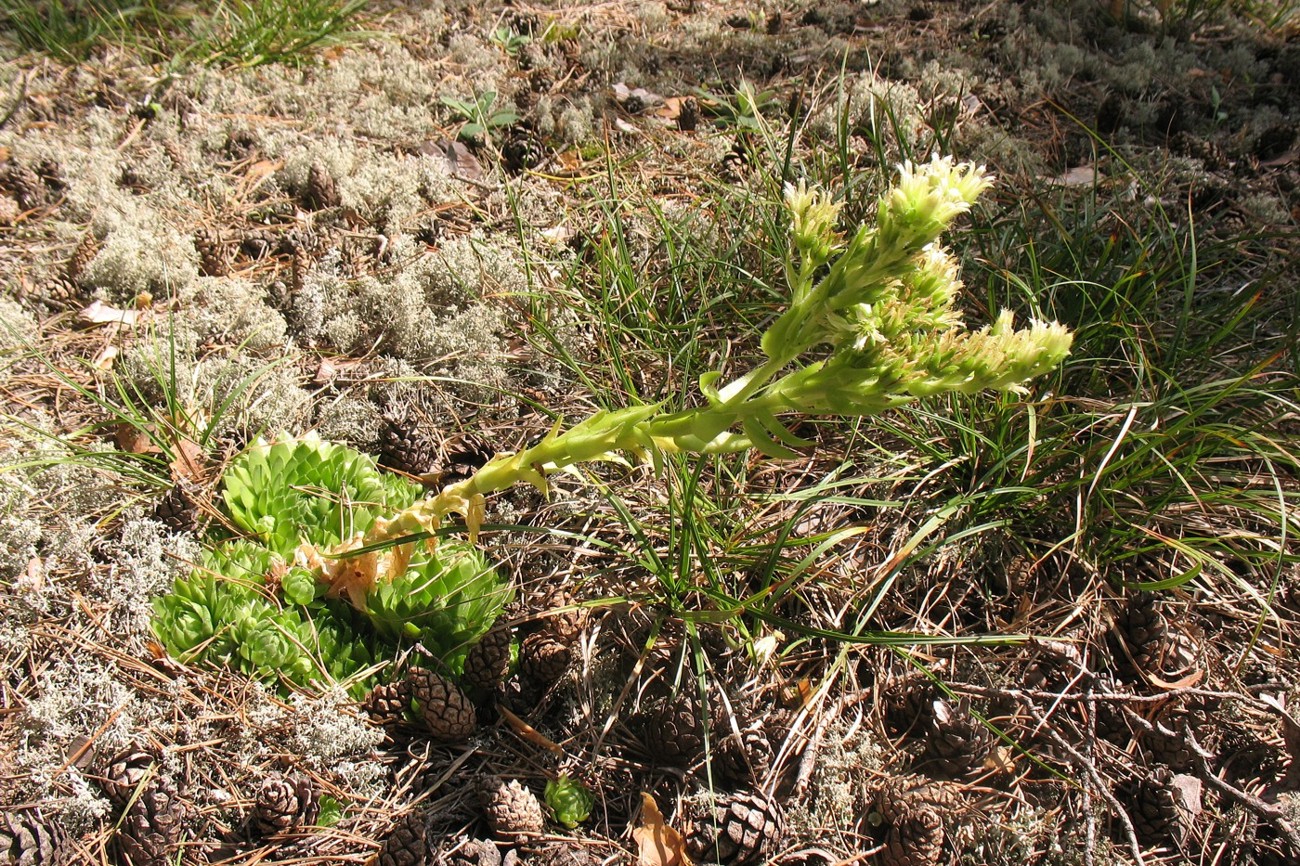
(513, 812)
(176, 154)
(470, 852)
(912, 808)
(51, 174)
(468, 455)
(1140, 635)
(284, 804)
(387, 703)
(25, 184)
(128, 774)
(688, 114)
(408, 844)
(1165, 745)
(907, 704)
(900, 796)
(321, 192)
(10, 210)
(150, 829)
(178, 510)
(214, 253)
(567, 626)
(916, 839)
(741, 758)
(739, 830)
(82, 256)
(957, 741)
(405, 447)
(1153, 809)
(542, 660)
(674, 734)
(522, 151)
(441, 706)
(488, 661)
(26, 840)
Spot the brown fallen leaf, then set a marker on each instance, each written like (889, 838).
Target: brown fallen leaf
(657, 843)
(189, 460)
(135, 440)
(257, 173)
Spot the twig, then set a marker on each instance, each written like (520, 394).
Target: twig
(1099, 697)
(1275, 815)
(809, 759)
(18, 102)
(1090, 820)
(1090, 770)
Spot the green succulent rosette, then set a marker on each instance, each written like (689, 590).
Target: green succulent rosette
(569, 800)
(309, 490)
(447, 599)
(230, 613)
(250, 604)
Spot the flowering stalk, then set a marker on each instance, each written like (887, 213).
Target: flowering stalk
(881, 312)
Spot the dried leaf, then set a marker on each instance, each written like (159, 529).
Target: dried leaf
(100, 313)
(636, 100)
(671, 109)
(134, 440)
(1080, 175)
(657, 843)
(558, 235)
(104, 360)
(189, 460)
(258, 172)
(1187, 795)
(460, 162)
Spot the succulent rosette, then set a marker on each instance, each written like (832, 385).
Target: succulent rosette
(251, 603)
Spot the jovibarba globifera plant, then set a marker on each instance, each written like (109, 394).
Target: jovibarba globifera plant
(324, 583)
(870, 325)
(249, 605)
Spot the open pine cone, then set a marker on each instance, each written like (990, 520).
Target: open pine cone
(916, 839)
(284, 804)
(469, 852)
(387, 703)
(567, 626)
(127, 775)
(513, 812)
(740, 758)
(740, 830)
(957, 742)
(150, 829)
(27, 840)
(910, 810)
(542, 660)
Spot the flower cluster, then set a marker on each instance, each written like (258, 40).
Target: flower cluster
(878, 308)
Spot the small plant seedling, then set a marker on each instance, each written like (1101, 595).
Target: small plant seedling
(741, 111)
(481, 115)
(509, 41)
